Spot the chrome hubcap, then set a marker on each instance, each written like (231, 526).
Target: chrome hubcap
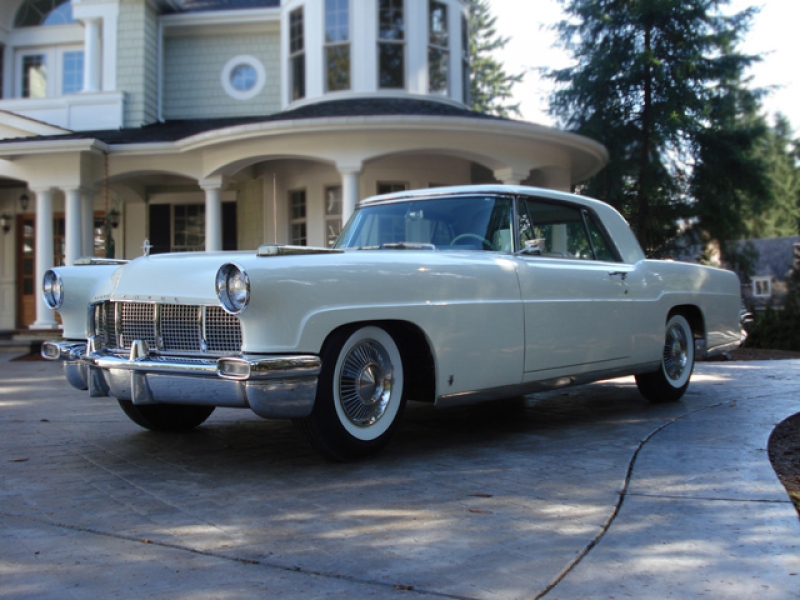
(676, 352)
(365, 383)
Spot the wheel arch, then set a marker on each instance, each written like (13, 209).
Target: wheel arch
(419, 364)
(694, 316)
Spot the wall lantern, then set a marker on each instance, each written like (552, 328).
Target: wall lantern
(113, 218)
(5, 222)
(24, 201)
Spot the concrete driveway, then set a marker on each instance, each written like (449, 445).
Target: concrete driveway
(585, 493)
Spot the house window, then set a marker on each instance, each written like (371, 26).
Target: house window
(762, 287)
(337, 45)
(297, 216)
(389, 187)
(333, 213)
(465, 68)
(72, 72)
(297, 55)
(438, 49)
(243, 77)
(391, 44)
(34, 76)
(189, 230)
(33, 13)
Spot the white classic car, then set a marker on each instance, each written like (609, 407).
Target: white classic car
(449, 296)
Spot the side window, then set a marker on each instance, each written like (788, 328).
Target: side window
(602, 249)
(563, 231)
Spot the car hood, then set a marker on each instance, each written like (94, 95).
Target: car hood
(186, 278)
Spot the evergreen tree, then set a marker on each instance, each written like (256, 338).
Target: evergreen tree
(490, 86)
(781, 154)
(647, 75)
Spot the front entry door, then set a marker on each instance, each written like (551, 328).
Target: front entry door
(27, 286)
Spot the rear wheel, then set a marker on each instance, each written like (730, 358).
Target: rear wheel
(359, 396)
(669, 383)
(166, 417)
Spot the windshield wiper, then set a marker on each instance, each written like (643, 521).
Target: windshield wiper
(407, 246)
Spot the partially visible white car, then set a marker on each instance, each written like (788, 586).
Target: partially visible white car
(449, 296)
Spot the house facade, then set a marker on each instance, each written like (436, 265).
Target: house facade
(223, 124)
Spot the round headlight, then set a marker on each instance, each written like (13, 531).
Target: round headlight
(233, 288)
(53, 290)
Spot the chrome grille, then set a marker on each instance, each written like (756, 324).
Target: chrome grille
(180, 327)
(137, 322)
(175, 328)
(222, 330)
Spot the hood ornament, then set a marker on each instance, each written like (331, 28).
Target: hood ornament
(146, 247)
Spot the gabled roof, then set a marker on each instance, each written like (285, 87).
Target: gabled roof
(775, 255)
(171, 131)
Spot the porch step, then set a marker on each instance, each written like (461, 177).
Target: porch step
(26, 341)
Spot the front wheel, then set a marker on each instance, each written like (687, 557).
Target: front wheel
(669, 383)
(359, 395)
(166, 417)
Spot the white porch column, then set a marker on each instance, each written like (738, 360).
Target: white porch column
(350, 190)
(73, 241)
(91, 55)
(45, 318)
(213, 189)
(512, 175)
(87, 223)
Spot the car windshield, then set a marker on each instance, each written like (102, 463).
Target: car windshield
(451, 223)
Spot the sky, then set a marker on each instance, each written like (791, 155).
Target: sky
(774, 35)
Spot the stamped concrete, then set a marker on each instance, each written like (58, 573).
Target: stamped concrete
(585, 493)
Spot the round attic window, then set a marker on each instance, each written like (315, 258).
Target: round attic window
(243, 77)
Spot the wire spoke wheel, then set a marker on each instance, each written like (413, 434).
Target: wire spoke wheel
(670, 382)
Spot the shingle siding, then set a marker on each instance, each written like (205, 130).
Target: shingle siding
(193, 69)
(137, 62)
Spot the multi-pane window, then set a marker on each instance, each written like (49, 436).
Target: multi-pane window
(243, 77)
(33, 13)
(333, 213)
(762, 287)
(72, 72)
(465, 68)
(34, 76)
(297, 217)
(337, 45)
(391, 44)
(438, 49)
(189, 232)
(389, 187)
(297, 55)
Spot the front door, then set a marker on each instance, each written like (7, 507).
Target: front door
(27, 286)
(576, 297)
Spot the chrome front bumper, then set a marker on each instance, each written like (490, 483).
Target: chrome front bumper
(273, 386)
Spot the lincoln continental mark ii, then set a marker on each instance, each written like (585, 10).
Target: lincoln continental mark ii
(448, 296)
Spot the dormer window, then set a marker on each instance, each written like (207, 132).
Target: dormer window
(337, 45)
(438, 49)
(34, 13)
(297, 54)
(391, 44)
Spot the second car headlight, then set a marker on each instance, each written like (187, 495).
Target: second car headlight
(233, 288)
(53, 289)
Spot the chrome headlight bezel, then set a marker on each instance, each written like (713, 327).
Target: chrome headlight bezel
(233, 288)
(53, 290)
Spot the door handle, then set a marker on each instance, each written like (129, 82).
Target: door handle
(621, 274)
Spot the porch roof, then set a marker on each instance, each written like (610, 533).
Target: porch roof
(178, 129)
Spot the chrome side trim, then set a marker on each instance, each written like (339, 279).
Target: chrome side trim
(510, 391)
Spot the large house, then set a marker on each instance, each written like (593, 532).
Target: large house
(224, 124)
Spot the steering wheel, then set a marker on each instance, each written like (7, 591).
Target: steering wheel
(489, 245)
